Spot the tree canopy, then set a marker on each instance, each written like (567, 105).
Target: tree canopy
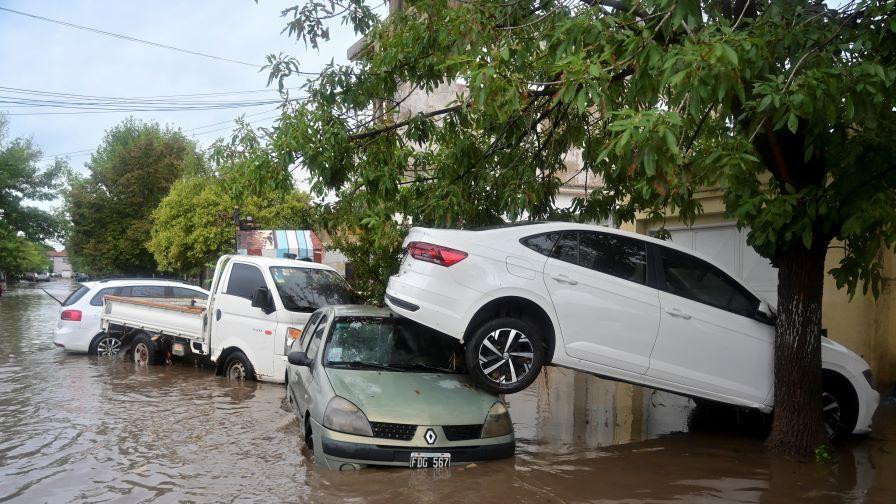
(193, 224)
(788, 107)
(129, 174)
(22, 226)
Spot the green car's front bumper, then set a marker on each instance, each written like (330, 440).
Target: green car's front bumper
(339, 451)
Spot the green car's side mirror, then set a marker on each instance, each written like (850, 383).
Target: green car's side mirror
(298, 359)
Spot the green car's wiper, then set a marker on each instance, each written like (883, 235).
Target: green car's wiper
(427, 367)
(363, 364)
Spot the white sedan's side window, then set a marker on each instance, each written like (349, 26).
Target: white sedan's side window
(567, 248)
(693, 278)
(619, 256)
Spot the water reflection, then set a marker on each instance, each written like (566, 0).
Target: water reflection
(80, 429)
(571, 410)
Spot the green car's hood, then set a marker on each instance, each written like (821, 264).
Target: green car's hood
(413, 398)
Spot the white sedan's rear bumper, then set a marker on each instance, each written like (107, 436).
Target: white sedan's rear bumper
(72, 336)
(433, 299)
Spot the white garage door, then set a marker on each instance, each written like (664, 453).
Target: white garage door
(727, 246)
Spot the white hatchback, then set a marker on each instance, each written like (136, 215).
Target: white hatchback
(79, 327)
(615, 304)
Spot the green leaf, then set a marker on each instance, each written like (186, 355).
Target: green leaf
(792, 122)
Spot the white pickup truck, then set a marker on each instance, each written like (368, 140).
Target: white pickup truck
(256, 308)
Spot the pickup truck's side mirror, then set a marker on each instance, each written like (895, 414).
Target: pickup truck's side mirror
(298, 359)
(764, 313)
(262, 299)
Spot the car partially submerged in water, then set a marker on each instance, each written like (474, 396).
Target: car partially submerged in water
(373, 388)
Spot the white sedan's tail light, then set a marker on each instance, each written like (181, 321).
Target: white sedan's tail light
(436, 254)
(73, 315)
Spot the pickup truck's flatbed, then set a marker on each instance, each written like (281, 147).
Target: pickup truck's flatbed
(163, 316)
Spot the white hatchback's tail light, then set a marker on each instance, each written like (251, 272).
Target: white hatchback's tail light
(436, 254)
(73, 315)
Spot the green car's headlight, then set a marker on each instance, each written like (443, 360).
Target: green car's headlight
(497, 423)
(343, 416)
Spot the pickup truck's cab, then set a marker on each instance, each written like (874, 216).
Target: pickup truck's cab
(259, 305)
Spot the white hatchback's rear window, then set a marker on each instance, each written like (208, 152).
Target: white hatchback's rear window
(76, 295)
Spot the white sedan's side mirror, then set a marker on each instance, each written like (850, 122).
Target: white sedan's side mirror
(765, 314)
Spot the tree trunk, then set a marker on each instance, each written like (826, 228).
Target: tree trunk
(798, 425)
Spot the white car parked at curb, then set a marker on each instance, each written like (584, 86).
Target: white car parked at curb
(79, 328)
(615, 304)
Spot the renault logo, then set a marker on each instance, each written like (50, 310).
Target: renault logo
(430, 436)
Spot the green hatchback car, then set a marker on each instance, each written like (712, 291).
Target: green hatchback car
(372, 388)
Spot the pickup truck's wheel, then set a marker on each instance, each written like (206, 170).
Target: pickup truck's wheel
(105, 345)
(145, 353)
(505, 355)
(237, 367)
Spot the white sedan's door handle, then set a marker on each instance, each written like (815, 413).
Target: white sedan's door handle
(564, 279)
(676, 312)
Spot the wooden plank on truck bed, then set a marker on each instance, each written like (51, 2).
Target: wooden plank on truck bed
(157, 303)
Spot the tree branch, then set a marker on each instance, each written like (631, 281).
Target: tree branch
(401, 124)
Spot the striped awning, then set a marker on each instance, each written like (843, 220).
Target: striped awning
(279, 242)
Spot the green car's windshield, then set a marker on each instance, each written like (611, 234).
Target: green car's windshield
(307, 289)
(391, 344)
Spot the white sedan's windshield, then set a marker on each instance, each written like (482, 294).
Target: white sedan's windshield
(307, 289)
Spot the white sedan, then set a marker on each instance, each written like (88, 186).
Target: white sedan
(615, 304)
(79, 330)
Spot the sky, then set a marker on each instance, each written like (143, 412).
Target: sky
(43, 56)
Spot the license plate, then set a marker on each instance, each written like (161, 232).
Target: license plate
(430, 460)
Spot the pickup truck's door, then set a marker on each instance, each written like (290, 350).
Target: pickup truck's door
(236, 323)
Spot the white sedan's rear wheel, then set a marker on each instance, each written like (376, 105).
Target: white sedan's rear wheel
(505, 355)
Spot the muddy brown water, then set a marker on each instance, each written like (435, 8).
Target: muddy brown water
(75, 428)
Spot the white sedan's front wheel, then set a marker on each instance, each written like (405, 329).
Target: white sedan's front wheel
(104, 345)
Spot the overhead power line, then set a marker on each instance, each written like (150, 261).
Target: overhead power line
(70, 103)
(229, 121)
(131, 98)
(131, 39)
(230, 127)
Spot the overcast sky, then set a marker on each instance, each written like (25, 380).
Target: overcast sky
(43, 56)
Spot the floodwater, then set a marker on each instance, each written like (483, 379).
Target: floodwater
(77, 429)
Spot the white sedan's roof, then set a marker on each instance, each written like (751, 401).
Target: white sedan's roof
(117, 282)
(522, 230)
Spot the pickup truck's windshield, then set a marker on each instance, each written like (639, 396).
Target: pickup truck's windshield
(307, 289)
(389, 344)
